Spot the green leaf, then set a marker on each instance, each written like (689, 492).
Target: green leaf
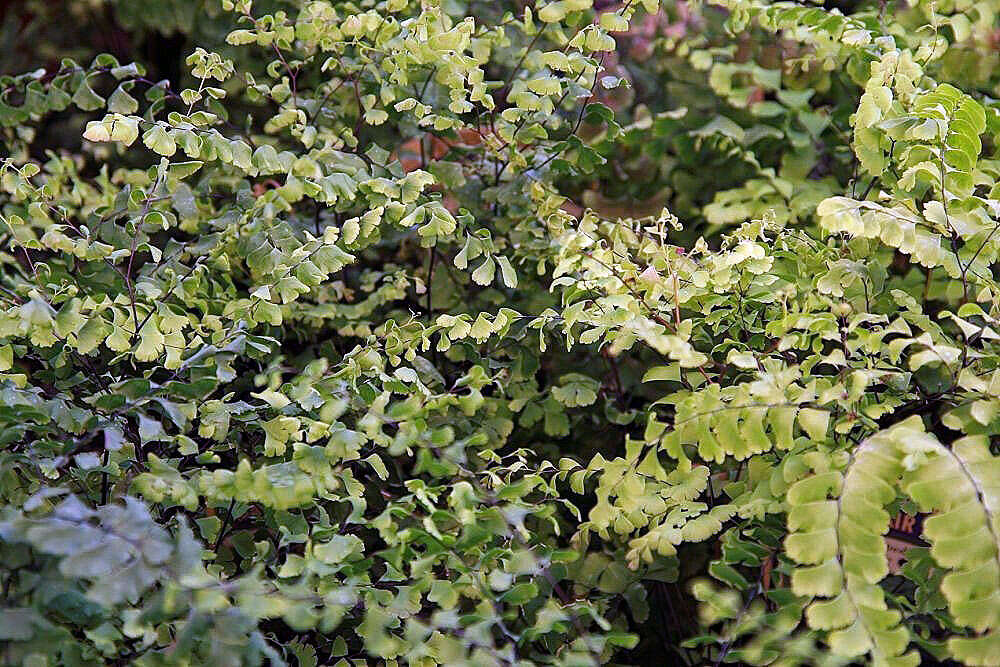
(121, 102)
(158, 140)
(815, 423)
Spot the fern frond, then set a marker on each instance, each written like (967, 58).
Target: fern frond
(837, 519)
(961, 486)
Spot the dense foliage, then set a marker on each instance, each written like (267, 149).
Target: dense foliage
(488, 333)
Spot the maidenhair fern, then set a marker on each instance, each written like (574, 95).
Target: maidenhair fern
(836, 519)
(959, 484)
(464, 333)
